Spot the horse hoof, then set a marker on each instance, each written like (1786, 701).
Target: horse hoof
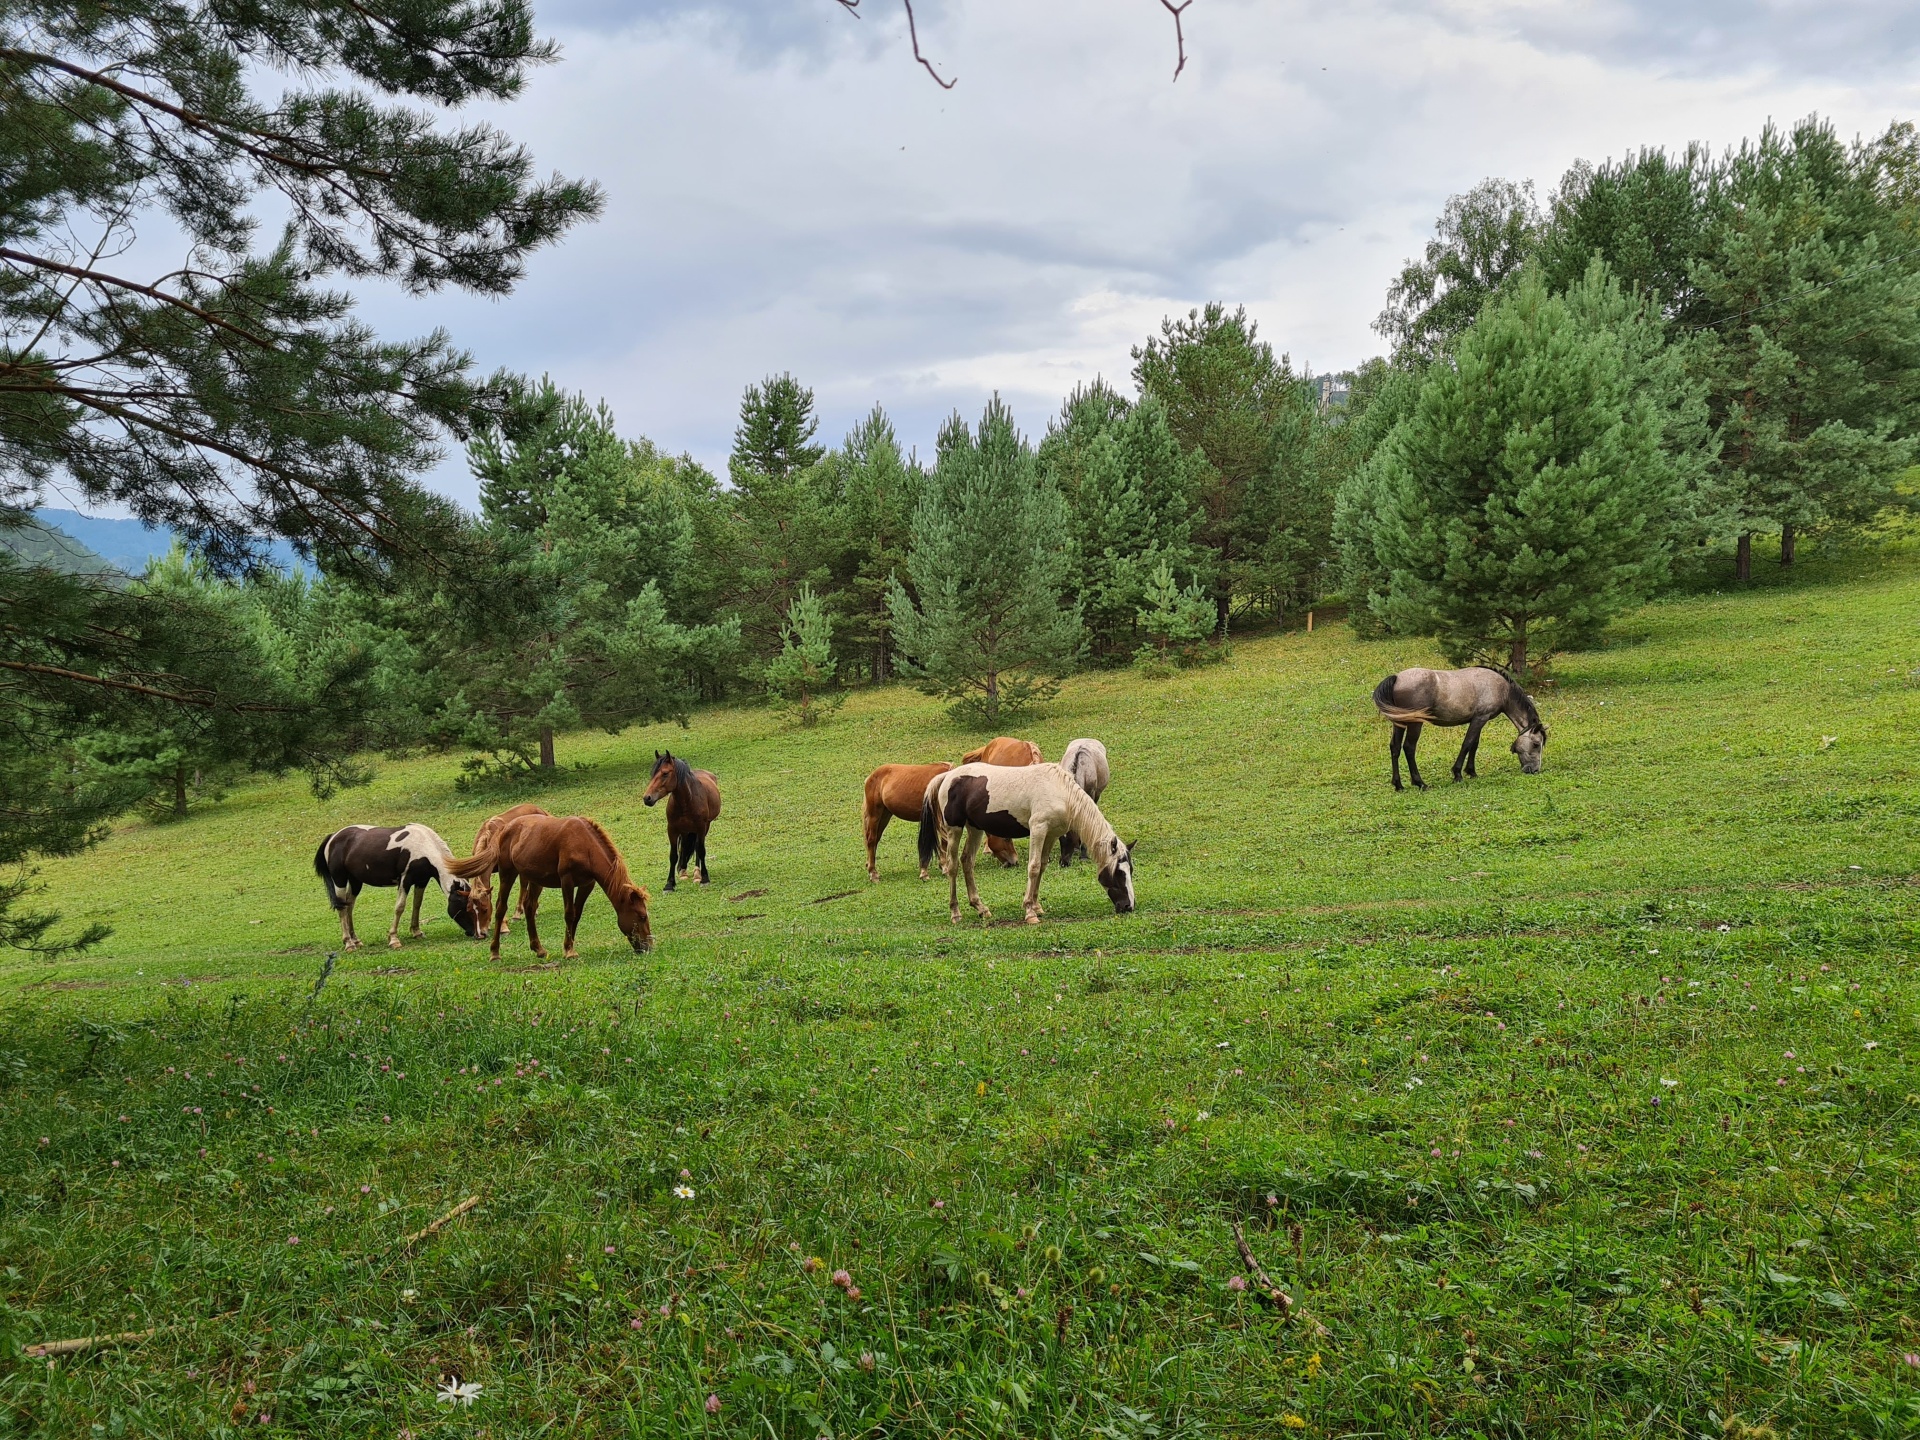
(393, 944)
(1033, 919)
(570, 955)
(706, 880)
(954, 917)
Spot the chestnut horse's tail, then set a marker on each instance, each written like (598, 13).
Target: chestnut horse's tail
(321, 869)
(1399, 714)
(482, 862)
(929, 826)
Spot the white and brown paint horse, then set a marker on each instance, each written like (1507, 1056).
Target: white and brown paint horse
(1470, 697)
(1040, 801)
(408, 858)
(1086, 761)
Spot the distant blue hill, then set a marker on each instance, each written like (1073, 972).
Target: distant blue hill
(129, 544)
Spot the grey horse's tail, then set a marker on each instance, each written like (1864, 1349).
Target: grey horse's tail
(326, 875)
(1399, 714)
(929, 828)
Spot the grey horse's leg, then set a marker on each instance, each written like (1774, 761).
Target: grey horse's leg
(1393, 748)
(1469, 747)
(1413, 766)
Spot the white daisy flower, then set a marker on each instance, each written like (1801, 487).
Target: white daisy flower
(456, 1392)
(685, 1192)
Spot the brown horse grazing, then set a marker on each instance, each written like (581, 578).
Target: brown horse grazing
(693, 803)
(1001, 750)
(1468, 697)
(483, 884)
(896, 790)
(573, 855)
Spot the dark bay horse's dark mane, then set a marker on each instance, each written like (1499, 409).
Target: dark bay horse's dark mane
(682, 773)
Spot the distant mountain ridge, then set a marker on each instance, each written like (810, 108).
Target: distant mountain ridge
(38, 543)
(127, 545)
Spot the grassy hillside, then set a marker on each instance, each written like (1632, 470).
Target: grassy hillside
(1580, 1103)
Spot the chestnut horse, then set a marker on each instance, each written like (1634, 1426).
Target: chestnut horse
(693, 804)
(482, 884)
(573, 854)
(896, 790)
(1001, 750)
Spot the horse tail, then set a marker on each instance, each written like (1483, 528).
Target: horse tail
(321, 869)
(972, 757)
(1399, 714)
(483, 861)
(929, 826)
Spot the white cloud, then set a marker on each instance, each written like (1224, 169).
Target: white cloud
(786, 191)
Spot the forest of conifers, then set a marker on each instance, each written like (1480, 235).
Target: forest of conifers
(1672, 355)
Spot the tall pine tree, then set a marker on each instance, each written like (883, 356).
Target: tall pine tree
(988, 624)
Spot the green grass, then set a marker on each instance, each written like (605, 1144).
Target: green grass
(1413, 1042)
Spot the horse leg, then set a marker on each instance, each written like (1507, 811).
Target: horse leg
(705, 878)
(348, 940)
(1036, 867)
(1413, 766)
(1393, 748)
(532, 906)
(673, 856)
(1468, 747)
(573, 899)
(967, 854)
(399, 909)
(507, 877)
(876, 818)
(418, 895)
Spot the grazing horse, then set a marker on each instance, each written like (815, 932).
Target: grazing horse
(1003, 750)
(693, 803)
(482, 884)
(896, 790)
(573, 854)
(1468, 697)
(1042, 801)
(407, 858)
(1086, 762)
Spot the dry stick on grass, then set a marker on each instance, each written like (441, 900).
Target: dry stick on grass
(89, 1342)
(1273, 1294)
(453, 1214)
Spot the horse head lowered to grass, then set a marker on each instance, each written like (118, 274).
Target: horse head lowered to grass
(572, 854)
(1471, 697)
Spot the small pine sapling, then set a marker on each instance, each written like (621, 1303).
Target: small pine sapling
(800, 679)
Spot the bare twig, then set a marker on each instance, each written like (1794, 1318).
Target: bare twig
(91, 1342)
(1270, 1292)
(913, 34)
(1179, 35)
(453, 1214)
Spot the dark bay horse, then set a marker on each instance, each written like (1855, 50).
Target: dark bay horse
(693, 804)
(482, 884)
(1041, 801)
(1086, 761)
(1470, 697)
(572, 855)
(896, 791)
(406, 857)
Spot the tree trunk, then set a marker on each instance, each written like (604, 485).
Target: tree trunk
(1222, 606)
(546, 747)
(993, 695)
(880, 664)
(179, 792)
(1743, 557)
(1786, 544)
(1517, 657)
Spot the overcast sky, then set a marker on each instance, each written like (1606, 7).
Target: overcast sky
(786, 190)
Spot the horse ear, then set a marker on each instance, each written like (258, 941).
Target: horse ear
(656, 754)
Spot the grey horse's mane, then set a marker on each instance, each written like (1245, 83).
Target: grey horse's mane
(1527, 707)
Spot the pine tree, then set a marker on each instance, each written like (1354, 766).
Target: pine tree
(988, 624)
(1524, 498)
(800, 679)
(1176, 620)
(1131, 492)
(879, 491)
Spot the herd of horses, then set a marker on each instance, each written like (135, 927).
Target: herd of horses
(1003, 791)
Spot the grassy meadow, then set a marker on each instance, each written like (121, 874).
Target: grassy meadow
(1575, 1104)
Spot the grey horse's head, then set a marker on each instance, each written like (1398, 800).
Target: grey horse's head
(1530, 745)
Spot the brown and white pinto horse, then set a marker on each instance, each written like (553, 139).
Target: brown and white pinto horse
(573, 855)
(407, 857)
(483, 884)
(1468, 697)
(1002, 750)
(896, 790)
(693, 804)
(1041, 801)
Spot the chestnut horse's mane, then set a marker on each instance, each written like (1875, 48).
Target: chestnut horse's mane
(613, 853)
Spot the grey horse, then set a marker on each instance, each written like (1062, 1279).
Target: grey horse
(1086, 761)
(1470, 697)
